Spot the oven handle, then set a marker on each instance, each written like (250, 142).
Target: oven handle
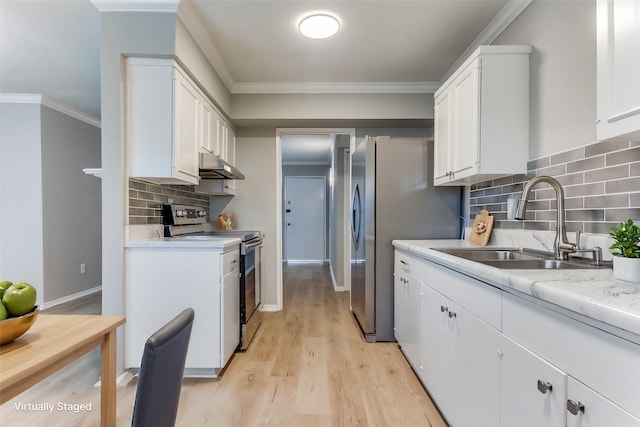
(252, 244)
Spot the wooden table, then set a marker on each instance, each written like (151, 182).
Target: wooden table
(52, 343)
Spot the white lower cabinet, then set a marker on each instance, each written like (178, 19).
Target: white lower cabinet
(455, 343)
(407, 292)
(525, 366)
(533, 392)
(230, 313)
(586, 408)
(163, 281)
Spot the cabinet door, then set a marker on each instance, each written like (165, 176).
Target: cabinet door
(407, 317)
(206, 124)
(436, 367)
(618, 38)
(475, 379)
(533, 391)
(230, 315)
(586, 408)
(442, 137)
(466, 121)
(187, 106)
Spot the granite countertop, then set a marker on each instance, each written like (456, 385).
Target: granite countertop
(152, 236)
(593, 293)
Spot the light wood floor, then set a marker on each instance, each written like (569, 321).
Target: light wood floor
(307, 366)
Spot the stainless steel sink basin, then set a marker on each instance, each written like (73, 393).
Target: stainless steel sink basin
(498, 254)
(516, 258)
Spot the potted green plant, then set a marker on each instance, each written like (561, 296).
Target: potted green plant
(626, 251)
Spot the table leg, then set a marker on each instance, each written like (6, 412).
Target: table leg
(108, 381)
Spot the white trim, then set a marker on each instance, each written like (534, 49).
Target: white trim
(271, 307)
(34, 98)
(334, 87)
(70, 298)
(336, 288)
(498, 24)
(136, 5)
(347, 213)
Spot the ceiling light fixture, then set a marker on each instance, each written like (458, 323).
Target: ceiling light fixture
(319, 26)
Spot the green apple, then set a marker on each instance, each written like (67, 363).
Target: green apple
(3, 312)
(3, 286)
(19, 299)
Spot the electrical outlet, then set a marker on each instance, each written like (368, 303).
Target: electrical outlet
(83, 268)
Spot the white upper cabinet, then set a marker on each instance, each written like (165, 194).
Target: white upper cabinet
(618, 53)
(482, 117)
(162, 122)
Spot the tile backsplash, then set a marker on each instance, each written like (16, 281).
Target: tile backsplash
(601, 182)
(146, 199)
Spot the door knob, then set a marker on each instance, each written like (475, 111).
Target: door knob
(443, 308)
(288, 224)
(452, 314)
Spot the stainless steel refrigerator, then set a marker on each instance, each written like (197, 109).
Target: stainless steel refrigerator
(393, 197)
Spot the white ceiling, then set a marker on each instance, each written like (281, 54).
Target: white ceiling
(52, 47)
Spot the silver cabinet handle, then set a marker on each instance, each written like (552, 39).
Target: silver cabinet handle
(574, 407)
(444, 309)
(452, 314)
(544, 387)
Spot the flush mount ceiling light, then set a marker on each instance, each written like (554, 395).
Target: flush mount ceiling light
(319, 26)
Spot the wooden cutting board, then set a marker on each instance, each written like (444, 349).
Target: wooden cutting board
(481, 229)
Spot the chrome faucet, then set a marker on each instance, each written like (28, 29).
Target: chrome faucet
(561, 245)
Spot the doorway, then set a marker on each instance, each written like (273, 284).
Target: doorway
(338, 183)
(305, 219)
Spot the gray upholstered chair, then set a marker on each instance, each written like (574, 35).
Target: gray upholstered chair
(161, 371)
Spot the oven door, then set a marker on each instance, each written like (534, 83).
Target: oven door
(250, 296)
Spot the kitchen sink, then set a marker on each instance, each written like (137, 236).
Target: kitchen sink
(517, 258)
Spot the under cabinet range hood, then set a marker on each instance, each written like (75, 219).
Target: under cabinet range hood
(213, 167)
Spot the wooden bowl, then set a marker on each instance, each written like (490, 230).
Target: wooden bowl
(13, 327)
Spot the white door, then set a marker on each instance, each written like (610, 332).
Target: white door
(305, 218)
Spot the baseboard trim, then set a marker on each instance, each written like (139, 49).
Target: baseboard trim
(69, 298)
(270, 307)
(336, 288)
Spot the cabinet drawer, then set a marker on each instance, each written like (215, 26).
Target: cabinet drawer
(410, 265)
(230, 261)
(479, 298)
(602, 361)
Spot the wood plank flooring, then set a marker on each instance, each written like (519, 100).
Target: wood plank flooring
(307, 366)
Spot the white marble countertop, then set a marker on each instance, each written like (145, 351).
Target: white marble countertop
(593, 293)
(151, 236)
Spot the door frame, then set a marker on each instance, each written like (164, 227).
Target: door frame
(347, 240)
(325, 252)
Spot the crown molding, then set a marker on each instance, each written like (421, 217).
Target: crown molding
(191, 19)
(136, 5)
(30, 98)
(498, 24)
(334, 87)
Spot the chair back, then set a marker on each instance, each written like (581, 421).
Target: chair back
(161, 371)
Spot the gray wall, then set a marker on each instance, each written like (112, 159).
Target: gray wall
(563, 72)
(50, 211)
(71, 205)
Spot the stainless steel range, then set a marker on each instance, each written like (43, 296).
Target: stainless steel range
(192, 222)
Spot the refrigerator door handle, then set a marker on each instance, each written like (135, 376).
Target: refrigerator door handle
(356, 210)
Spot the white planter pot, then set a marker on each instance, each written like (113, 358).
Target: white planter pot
(627, 269)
